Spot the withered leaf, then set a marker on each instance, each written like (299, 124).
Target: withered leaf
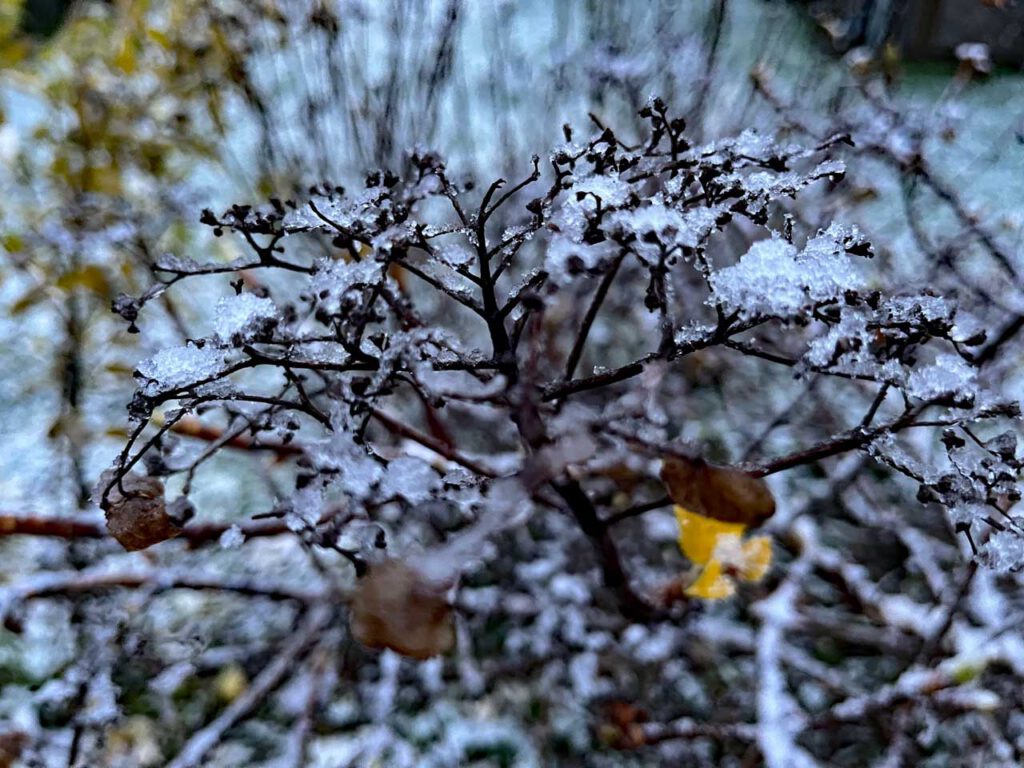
(12, 744)
(137, 514)
(721, 493)
(394, 606)
(623, 728)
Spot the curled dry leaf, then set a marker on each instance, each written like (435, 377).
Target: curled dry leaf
(394, 606)
(137, 514)
(721, 493)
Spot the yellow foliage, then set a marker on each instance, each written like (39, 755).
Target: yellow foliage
(125, 58)
(712, 584)
(10, 16)
(31, 297)
(698, 535)
(12, 243)
(13, 51)
(721, 553)
(105, 179)
(158, 37)
(89, 276)
(757, 558)
(230, 683)
(132, 741)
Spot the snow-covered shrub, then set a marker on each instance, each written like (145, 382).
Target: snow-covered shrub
(393, 364)
(478, 386)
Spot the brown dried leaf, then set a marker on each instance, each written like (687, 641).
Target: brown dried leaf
(670, 592)
(623, 728)
(394, 607)
(625, 477)
(137, 514)
(722, 493)
(12, 744)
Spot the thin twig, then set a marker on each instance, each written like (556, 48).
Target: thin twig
(282, 666)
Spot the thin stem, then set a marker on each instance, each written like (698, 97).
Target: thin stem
(588, 319)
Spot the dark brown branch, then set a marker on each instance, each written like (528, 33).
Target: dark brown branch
(193, 427)
(719, 335)
(557, 391)
(637, 510)
(843, 443)
(515, 299)
(1007, 334)
(82, 527)
(439, 447)
(50, 584)
(588, 319)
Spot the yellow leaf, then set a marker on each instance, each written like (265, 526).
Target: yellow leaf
(10, 17)
(26, 302)
(104, 179)
(965, 670)
(12, 243)
(125, 58)
(13, 51)
(698, 535)
(230, 683)
(757, 558)
(89, 276)
(60, 167)
(712, 584)
(159, 38)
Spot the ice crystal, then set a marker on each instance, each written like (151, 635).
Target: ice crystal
(775, 279)
(177, 367)
(243, 316)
